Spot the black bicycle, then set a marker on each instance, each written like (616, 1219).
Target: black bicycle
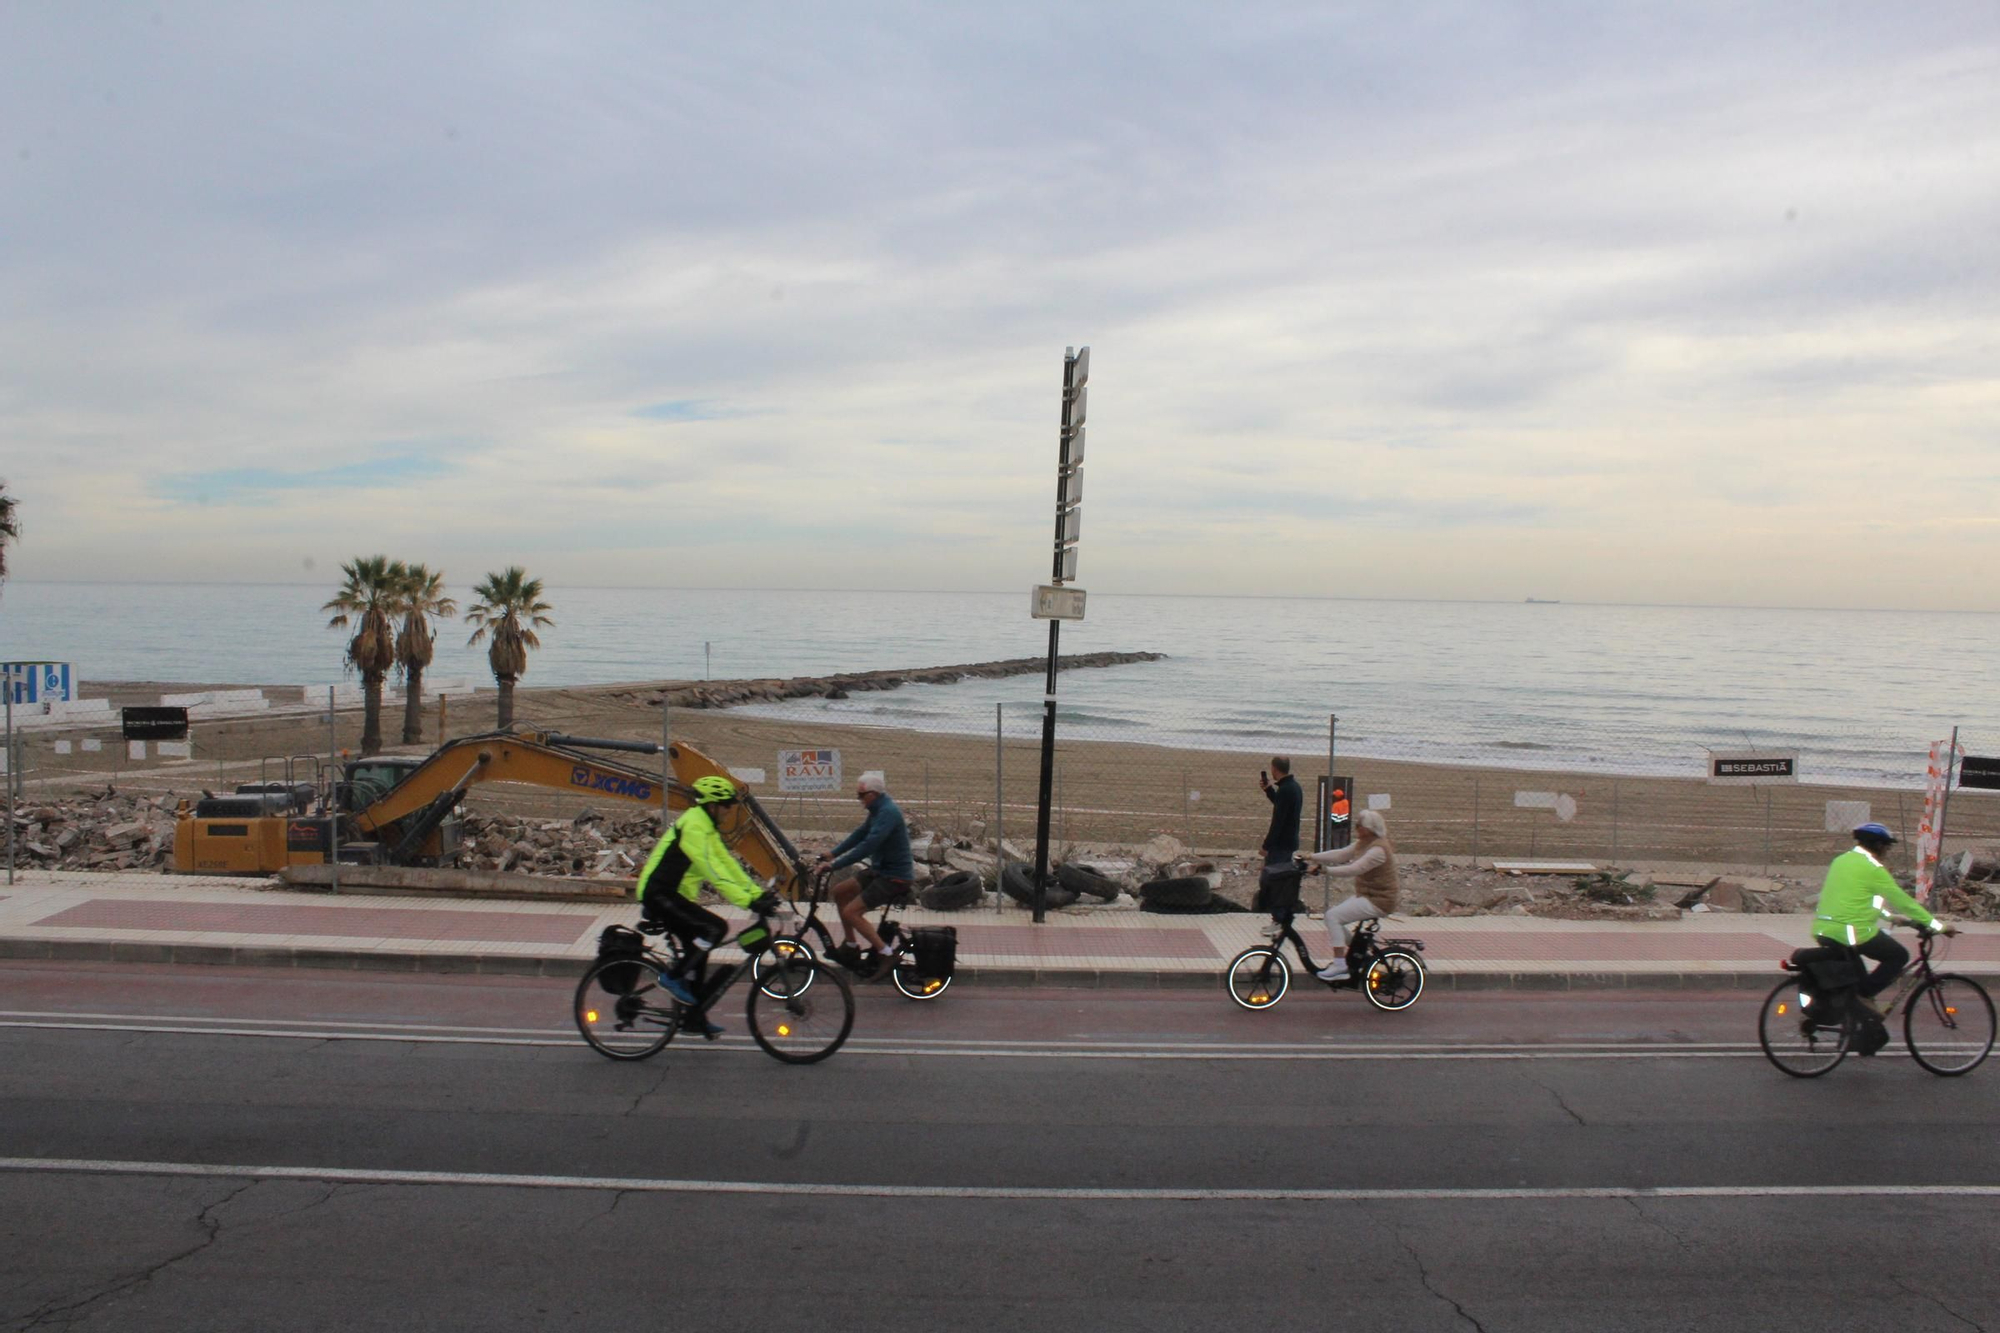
(1814, 1017)
(925, 961)
(1390, 972)
(625, 1012)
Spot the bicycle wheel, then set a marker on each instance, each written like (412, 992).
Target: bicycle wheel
(784, 946)
(917, 986)
(1258, 977)
(1794, 1040)
(1394, 980)
(625, 1025)
(802, 1011)
(1948, 1024)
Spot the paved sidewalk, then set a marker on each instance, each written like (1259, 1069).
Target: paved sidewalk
(155, 918)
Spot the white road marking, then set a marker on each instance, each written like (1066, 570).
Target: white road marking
(867, 1046)
(648, 1185)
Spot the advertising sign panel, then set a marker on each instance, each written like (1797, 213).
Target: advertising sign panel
(808, 770)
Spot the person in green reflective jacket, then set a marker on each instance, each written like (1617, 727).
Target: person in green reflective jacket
(1859, 895)
(690, 853)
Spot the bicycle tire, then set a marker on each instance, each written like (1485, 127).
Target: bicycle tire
(1257, 978)
(783, 946)
(1949, 1003)
(1394, 980)
(807, 1018)
(1795, 1045)
(628, 1026)
(917, 986)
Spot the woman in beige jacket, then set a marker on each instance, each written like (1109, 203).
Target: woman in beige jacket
(1370, 861)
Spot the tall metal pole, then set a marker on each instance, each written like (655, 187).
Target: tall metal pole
(1055, 641)
(7, 683)
(1326, 815)
(666, 763)
(333, 790)
(999, 798)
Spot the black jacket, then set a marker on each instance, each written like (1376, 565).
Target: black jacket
(1286, 801)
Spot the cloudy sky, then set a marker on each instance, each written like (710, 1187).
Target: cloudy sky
(1679, 303)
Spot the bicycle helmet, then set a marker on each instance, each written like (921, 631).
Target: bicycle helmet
(713, 790)
(1875, 837)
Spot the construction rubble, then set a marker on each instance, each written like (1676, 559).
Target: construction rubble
(110, 831)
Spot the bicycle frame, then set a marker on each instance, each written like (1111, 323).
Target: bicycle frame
(1360, 944)
(811, 922)
(1902, 990)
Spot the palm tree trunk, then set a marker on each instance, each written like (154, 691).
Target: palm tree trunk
(371, 712)
(506, 702)
(413, 705)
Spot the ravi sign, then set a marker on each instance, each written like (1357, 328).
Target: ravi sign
(808, 770)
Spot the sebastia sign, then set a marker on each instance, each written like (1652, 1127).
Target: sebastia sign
(155, 724)
(1743, 768)
(1981, 771)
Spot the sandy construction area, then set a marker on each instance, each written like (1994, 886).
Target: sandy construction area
(1109, 793)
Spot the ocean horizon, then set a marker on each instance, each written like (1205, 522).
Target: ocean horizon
(1594, 687)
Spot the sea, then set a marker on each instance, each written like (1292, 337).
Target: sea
(1859, 695)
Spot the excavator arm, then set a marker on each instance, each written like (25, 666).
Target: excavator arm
(558, 762)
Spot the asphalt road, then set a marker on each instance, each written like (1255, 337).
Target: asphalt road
(225, 1149)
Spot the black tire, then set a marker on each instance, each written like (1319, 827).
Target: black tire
(917, 986)
(1082, 880)
(1187, 891)
(783, 946)
(1796, 1044)
(1258, 977)
(801, 1012)
(1948, 1024)
(630, 1026)
(1017, 881)
(1393, 980)
(955, 891)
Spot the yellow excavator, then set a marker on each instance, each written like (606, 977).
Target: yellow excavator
(405, 809)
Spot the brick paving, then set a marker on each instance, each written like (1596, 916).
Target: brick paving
(213, 920)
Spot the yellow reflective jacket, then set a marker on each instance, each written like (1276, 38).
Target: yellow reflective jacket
(1858, 896)
(691, 851)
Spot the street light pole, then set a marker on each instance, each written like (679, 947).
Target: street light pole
(1056, 602)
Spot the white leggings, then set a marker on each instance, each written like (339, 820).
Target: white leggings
(1344, 914)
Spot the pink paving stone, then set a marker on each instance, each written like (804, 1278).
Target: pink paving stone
(391, 923)
(1602, 946)
(1107, 942)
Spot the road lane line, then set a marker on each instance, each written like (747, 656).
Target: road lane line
(863, 1047)
(1032, 1193)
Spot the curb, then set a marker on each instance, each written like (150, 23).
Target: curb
(570, 966)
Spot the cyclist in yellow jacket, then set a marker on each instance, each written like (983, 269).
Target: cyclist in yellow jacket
(1859, 895)
(690, 853)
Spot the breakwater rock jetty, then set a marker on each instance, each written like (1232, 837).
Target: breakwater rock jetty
(729, 693)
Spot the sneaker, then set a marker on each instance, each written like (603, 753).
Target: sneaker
(708, 1028)
(1333, 972)
(881, 965)
(676, 987)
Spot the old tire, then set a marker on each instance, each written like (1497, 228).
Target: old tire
(1082, 879)
(1184, 892)
(1017, 881)
(957, 890)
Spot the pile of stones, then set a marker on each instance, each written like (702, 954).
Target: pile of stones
(101, 832)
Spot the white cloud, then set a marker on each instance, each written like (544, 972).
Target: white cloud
(1477, 300)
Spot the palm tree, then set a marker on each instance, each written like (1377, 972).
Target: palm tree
(10, 527)
(369, 601)
(423, 597)
(510, 605)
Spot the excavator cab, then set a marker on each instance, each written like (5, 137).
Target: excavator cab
(364, 783)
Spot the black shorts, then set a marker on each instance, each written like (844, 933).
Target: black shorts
(879, 890)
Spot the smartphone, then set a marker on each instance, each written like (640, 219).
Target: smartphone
(1263, 775)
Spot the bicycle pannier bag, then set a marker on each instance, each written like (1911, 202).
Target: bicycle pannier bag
(1829, 968)
(934, 950)
(1277, 889)
(620, 942)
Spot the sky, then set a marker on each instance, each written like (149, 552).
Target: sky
(1638, 303)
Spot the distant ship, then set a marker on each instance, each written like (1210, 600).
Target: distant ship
(1544, 601)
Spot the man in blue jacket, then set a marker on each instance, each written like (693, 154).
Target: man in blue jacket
(883, 840)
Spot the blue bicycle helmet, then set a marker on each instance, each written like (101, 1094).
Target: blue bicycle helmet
(1874, 835)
